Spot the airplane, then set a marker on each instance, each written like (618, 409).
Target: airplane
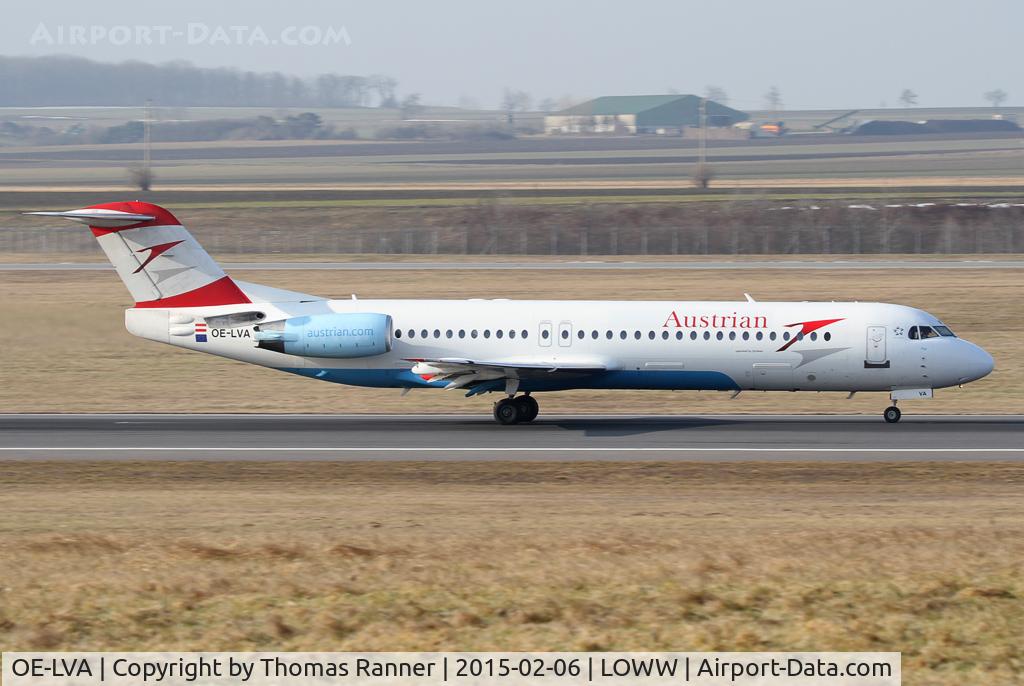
(519, 348)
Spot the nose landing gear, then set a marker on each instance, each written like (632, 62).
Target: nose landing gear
(516, 410)
(892, 414)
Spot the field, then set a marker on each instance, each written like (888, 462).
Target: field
(68, 351)
(923, 558)
(560, 162)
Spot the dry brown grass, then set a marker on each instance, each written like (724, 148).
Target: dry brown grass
(922, 558)
(66, 348)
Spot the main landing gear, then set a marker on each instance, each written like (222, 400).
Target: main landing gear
(892, 414)
(516, 410)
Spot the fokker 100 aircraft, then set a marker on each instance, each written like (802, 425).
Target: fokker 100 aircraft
(519, 348)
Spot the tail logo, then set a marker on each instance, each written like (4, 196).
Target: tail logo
(155, 251)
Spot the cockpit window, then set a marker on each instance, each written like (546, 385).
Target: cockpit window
(944, 331)
(922, 332)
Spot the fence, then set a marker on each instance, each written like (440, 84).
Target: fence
(781, 233)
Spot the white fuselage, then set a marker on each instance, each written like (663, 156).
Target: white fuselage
(645, 344)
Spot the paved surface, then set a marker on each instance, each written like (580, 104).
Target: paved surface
(587, 264)
(477, 437)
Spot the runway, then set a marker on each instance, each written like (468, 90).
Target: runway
(479, 438)
(561, 265)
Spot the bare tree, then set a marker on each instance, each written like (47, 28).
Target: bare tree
(63, 80)
(908, 98)
(410, 106)
(141, 178)
(773, 99)
(997, 97)
(547, 105)
(513, 101)
(702, 175)
(385, 87)
(717, 94)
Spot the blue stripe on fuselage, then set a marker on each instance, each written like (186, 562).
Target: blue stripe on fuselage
(665, 380)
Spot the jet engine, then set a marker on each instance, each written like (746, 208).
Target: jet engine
(328, 335)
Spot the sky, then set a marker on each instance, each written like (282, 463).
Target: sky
(823, 55)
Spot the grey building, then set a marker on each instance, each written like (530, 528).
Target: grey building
(625, 114)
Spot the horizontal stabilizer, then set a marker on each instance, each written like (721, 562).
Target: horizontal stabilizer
(104, 219)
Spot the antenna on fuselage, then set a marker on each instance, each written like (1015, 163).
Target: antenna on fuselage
(749, 299)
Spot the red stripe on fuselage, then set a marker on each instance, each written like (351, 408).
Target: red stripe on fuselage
(223, 291)
(806, 328)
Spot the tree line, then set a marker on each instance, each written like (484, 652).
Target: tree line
(65, 80)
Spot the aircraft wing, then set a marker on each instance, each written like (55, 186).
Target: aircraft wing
(467, 373)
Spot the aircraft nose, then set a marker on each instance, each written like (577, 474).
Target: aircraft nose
(977, 363)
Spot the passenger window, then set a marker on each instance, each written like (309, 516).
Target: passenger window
(693, 335)
(746, 335)
(544, 334)
(487, 333)
(732, 335)
(499, 333)
(827, 336)
(650, 335)
(581, 334)
(772, 336)
(448, 333)
(622, 335)
(707, 335)
(679, 335)
(760, 335)
(593, 334)
(398, 333)
(511, 333)
(437, 333)
(565, 334)
(719, 335)
(412, 333)
(814, 336)
(664, 335)
(423, 333)
(462, 333)
(473, 334)
(785, 336)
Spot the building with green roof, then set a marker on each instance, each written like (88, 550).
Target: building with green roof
(623, 114)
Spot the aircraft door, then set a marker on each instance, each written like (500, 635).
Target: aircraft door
(544, 334)
(876, 355)
(565, 334)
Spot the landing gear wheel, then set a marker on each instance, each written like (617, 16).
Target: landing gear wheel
(528, 408)
(892, 414)
(506, 411)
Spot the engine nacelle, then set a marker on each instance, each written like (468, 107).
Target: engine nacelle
(328, 335)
